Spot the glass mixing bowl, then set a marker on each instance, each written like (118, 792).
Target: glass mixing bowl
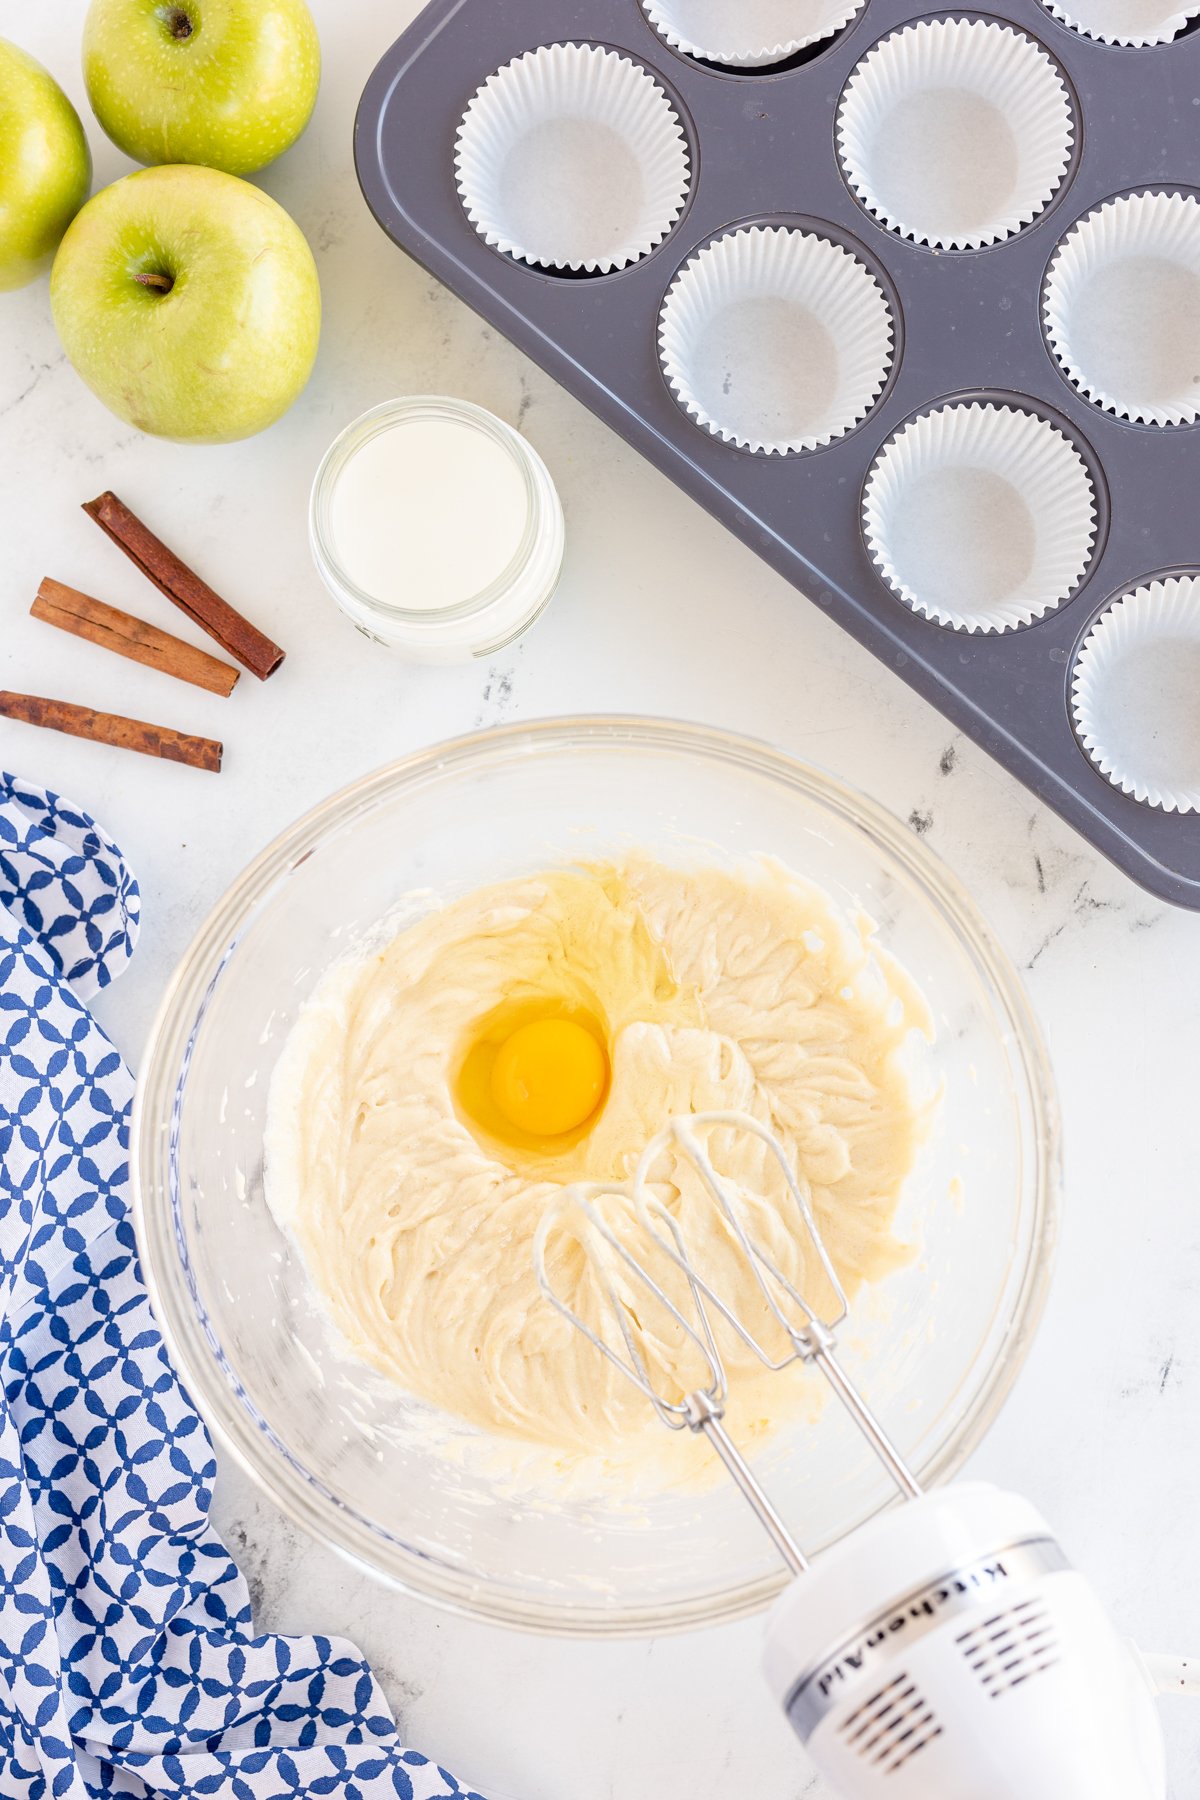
(936, 1347)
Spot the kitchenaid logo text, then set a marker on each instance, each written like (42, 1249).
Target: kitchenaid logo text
(826, 1685)
(926, 1608)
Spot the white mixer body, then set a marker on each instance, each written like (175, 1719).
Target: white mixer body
(947, 1651)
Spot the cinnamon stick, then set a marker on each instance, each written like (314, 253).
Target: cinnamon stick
(111, 728)
(81, 615)
(243, 641)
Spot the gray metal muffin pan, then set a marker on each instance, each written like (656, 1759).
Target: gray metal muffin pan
(762, 150)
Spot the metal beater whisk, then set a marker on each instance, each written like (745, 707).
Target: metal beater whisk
(808, 1336)
(946, 1648)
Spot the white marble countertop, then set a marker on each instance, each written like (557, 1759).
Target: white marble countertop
(659, 611)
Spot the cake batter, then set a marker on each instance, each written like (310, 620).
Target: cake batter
(434, 1098)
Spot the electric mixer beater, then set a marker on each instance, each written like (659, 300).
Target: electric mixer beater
(945, 1649)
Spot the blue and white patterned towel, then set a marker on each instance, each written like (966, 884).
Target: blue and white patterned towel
(129, 1663)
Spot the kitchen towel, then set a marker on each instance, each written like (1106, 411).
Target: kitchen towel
(129, 1662)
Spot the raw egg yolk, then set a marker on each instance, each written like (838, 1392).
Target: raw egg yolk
(549, 1077)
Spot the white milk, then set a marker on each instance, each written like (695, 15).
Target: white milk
(436, 527)
(427, 514)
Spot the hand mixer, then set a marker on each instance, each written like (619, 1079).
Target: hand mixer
(946, 1650)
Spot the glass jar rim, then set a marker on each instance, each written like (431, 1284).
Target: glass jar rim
(411, 409)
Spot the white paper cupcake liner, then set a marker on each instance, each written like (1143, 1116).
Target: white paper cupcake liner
(775, 339)
(1132, 23)
(1135, 694)
(955, 132)
(747, 34)
(572, 156)
(1122, 307)
(981, 517)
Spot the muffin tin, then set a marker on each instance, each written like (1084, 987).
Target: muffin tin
(902, 340)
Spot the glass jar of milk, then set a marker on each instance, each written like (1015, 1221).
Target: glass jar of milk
(436, 527)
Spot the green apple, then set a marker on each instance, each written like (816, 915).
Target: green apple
(189, 302)
(45, 166)
(228, 83)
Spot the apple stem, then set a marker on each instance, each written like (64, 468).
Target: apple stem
(162, 284)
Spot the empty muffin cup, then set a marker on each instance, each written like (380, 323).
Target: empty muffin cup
(1122, 307)
(1132, 23)
(572, 157)
(980, 516)
(775, 339)
(955, 132)
(1134, 693)
(747, 34)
